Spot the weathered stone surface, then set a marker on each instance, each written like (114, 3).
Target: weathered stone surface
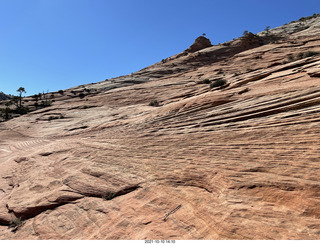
(200, 43)
(241, 162)
(315, 72)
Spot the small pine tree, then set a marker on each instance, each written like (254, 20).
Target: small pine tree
(267, 30)
(21, 90)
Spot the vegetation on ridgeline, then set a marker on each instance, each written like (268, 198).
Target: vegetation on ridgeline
(14, 106)
(306, 18)
(250, 40)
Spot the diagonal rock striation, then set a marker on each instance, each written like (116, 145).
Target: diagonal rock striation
(238, 161)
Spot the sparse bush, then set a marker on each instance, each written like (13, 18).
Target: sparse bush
(154, 103)
(2, 113)
(35, 97)
(220, 72)
(302, 19)
(46, 102)
(218, 83)
(16, 223)
(108, 195)
(310, 54)
(55, 117)
(7, 110)
(290, 58)
(61, 92)
(22, 110)
(306, 18)
(301, 55)
(249, 70)
(82, 95)
(206, 81)
(306, 54)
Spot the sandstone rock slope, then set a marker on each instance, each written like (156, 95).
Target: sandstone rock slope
(237, 159)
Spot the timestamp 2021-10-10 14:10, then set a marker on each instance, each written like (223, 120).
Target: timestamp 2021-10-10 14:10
(160, 241)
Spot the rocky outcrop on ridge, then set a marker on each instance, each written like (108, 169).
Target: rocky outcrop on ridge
(200, 43)
(236, 161)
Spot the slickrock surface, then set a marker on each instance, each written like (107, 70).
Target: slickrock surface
(241, 161)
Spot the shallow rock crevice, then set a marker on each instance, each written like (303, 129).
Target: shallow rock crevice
(31, 212)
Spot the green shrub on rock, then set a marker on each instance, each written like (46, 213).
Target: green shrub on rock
(218, 83)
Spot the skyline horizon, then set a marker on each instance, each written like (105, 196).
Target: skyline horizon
(64, 44)
(204, 34)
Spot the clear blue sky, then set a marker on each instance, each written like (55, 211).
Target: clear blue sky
(57, 44)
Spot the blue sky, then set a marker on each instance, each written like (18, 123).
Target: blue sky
(58, 44)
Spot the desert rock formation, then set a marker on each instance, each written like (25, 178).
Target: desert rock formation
(200, 43)
(238, 161)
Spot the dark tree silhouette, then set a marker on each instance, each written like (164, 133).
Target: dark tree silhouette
(21, 90)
